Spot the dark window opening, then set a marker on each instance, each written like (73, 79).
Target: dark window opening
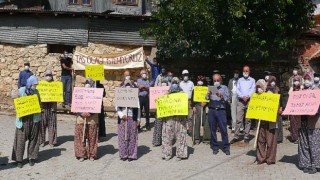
(58, 48)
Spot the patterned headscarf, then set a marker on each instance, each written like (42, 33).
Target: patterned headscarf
(90, 82)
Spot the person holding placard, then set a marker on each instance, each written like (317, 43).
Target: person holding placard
(309, 137)
(49, 117)
(102, 122)
(86, 133)
(174, 127)
(27, 128)
(144, 85)
(246, 86)
(128, 121)
(217, 116)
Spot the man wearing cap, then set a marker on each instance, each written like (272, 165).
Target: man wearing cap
(24, 75)
(233, 99)
(295, 76)
(187, 86)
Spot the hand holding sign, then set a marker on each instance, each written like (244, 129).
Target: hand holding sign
(27, 105)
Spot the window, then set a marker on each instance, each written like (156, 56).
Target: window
(80, 2)
(127, 2)
(86, 2)
(74, 1)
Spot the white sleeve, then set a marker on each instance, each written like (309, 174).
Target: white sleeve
(119, 112)
(139, 112)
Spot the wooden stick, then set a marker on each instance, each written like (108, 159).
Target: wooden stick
(201, 125)
(126, 126)
(84, 130)
(257, 133)
(193, 126)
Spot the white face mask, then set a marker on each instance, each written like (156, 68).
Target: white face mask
(316, 79)
(260, 90)
(266, 78)
(295, 72)
(33, 87)
(128, 86)
(144, 76)
(87, 86)
(48, 78)
(163, 84)
(200, 83)
(26, 68)
(127, 78)
(307, 83)
(296, 83)
(245, 75)
(236, 75)
(185, 78)
(272, 83)
(216, 84)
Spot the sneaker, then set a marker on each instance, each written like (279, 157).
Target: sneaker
(19, 165)
(234, 140)
(305, 170)
(81, 159)
(246, 141)
(312, 170)
(215, 152)
(31, 162)
(178, 159)
(227, 153)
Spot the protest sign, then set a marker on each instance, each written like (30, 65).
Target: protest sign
(50, 91)
(96, 72)
(303, 103)
(263, 106)
(156, 92)
(87, 100)
(172, 105)
(27, 105)
(127, 97)
(213, 89)
(200, 93)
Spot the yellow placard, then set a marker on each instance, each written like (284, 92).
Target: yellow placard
(200, 93)
(96, 72)
(27, 105)
(50, 91)
(172, 105)
(263, 106)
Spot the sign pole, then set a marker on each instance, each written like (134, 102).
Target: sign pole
(257, 134)
(84, 130)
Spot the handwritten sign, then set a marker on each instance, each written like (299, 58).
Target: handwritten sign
(87, 100)
(200, 93)
(50, 91)
(303, 103)
(263, 106)
(27, 105)
(172, 105)
(96, 72)
(156, 92)
(127, 97)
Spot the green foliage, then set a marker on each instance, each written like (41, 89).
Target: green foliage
(241, 29)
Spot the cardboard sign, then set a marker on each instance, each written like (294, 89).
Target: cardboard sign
(155, 92)
(127, 97)
(50, 91)
(96, 72)
(27, 105)
(303, 103)
(263, 106)
(87, 100)
(175, 104)
(213, 89)
(200, 93)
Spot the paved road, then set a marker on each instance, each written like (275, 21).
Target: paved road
(59, 162)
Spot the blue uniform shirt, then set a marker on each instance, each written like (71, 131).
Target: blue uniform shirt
(217, 102)
(23, 76)
(144, 82)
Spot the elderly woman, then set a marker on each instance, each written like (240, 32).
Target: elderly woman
(86, 142)
(27, 128)
(174, 127)
(49, 118)
(295, 120)
(309, 137)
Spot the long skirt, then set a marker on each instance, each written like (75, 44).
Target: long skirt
(128, 148)
(206, 128)
(102, 124)
(29, 132)
(88, 148)
(197, 121)
(157, 133)
(174, 128)
(267, 144)
(294, 127)
(309, 148)
(49, 120)
(280, 129)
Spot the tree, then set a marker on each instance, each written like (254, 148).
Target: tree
(241, 29)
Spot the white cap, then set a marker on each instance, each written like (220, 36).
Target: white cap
(185, 72)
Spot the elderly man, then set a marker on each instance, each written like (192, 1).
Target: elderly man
(217, 116)
(24, 75)
(143, 85)
(246, 86)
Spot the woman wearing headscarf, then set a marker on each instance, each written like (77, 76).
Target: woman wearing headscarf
(27, 128)
(174, 127)
(86, 142)
(102, 122)
(49, 117)
(309, 137)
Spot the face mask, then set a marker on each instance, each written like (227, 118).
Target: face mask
(316, 79)
(185, 78)
(245, 75)
(175, 87)
(200, 83)
(266, 78)
(216, 84)
(163, 71)
(307, 83)
(273, 83)
(128, 86)
(169, 78)
(163, 84)
(236, 75)
(296, 83)
(26, 68)
(295, 72)
(260, 90)
(66, 55)
(127, 78)
(33, 87)
(87, 86)
(144, 76)
(48, 78)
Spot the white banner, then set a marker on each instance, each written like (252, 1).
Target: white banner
(129, 59)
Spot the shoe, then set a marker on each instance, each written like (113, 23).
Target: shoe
(130, 159)
(19, 165)
(227, 153)
(91, 159)
(215, 152)
(246, 141)
(305, 170)
(124, 159)
(197, 142)
(51, 145)
(233, 141)
(31, 162)
(296, 142)
(167, 158)
(312, 170)
(178, 159)
(81, 159)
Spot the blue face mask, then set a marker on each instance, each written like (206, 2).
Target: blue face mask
(169, 78)
(175, 86)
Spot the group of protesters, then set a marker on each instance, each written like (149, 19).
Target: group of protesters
(203, 121)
